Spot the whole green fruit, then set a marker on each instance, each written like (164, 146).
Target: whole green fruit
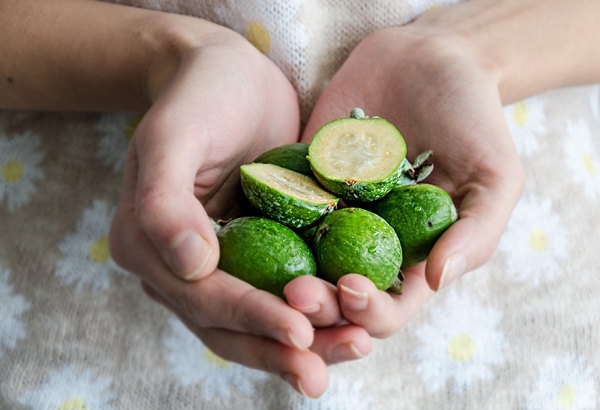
(419, 214)
(354, 240)
(263, 253)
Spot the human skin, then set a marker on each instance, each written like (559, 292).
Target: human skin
(443, 80)
(213, 103)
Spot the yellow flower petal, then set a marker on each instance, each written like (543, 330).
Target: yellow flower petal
(73, 403)
(12, 171)
(589, 164)
(215, 360)
(259, 37)
(520, 113)
(99, 252)
(461, 348)
(566, 396)
(538, 241)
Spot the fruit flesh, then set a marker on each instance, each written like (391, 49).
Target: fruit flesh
(358, 150)
(292, 183)
(284, 195)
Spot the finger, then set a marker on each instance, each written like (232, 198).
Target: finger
(173, 143)
(166, 206)
(315, 298)
(380, 313)
(342, 343)
(304, 370)
(486, 205)
(217, 300)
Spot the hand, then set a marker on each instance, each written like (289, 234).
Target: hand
(221, 106)
(442, 96)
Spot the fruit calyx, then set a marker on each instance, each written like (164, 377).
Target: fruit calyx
(420, 168)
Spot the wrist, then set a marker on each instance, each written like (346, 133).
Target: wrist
(173, 39)
(527, 46)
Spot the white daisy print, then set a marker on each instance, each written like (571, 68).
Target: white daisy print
(192, 363)
(341, 394)
(20, 158)
(582, 158)
(116, 130)
(564, 383)
(462, 344)
(12, 307)
(272, 26)
(535, 242)
(87, 261)
(595, 101)
(525, 121)
(70, 388)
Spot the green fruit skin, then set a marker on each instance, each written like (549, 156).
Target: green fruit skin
(264, 253)
(290, 156)
(366, 191)
(283, 208)
(362, 191)
(419, 214)
(354, 240)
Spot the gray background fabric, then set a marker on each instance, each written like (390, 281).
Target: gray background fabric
(76, 332)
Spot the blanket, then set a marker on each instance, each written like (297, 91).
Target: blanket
(77, 332)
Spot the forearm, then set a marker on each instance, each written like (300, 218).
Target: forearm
(88, 55)
(530, 45)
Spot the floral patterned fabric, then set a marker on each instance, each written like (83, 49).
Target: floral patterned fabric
(76, 331)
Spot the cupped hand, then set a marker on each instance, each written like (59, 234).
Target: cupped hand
(222, 105)
(443, 95)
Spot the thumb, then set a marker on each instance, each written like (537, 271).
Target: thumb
(484, 212)
(166, 208)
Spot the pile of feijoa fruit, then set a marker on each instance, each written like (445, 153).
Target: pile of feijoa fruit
(390, 220)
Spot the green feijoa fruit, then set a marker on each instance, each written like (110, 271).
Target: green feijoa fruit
(290, 156)
(354, 240)
(358, 157)
(419, 214)
(288, 197)
(264, 253)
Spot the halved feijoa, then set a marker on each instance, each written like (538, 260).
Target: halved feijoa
(286, 196)
(419, 214)
(354, 240)
(290, 156)
(358, 157)
(264, 253)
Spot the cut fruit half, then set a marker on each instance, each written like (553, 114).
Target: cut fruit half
(286, 196)
(358, 157)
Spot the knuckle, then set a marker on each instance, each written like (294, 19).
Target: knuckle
(190, 306)
(240, 312)
(150, 206)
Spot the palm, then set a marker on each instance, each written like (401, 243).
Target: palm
(225, 105)
(440, 99)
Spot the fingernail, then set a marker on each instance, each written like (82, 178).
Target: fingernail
(306, 309)
(189, 254)
(353, 299)
(454, 267)
(295, 341)
(345, 352)
(294, 381)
